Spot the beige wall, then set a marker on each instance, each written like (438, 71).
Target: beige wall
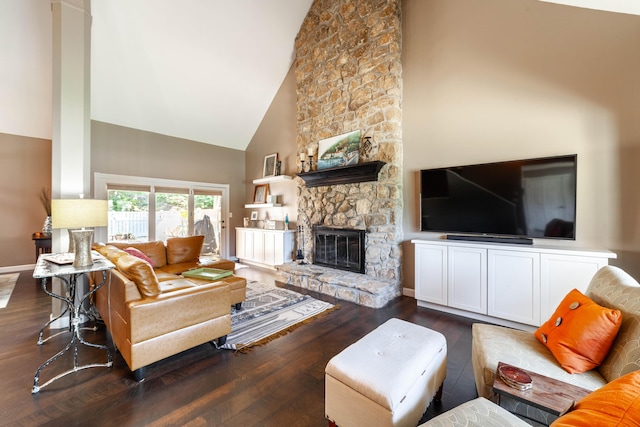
(276, 134)
(125, 151)
(498, 80)
(26, 169)
(483, 81)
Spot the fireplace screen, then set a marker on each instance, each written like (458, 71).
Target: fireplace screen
(339, 248)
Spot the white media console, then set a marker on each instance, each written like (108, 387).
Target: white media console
(507, 284)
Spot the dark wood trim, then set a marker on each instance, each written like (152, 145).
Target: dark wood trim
(362, 172)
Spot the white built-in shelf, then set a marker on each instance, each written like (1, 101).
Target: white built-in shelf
(271, 179)
(262, 205)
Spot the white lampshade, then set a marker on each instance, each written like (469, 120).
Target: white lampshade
(79, 213)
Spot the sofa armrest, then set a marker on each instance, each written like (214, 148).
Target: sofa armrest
(115, 293)
(613, 287)
(476, 412)
(153, 317)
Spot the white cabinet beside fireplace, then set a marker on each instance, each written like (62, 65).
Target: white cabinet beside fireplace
(267, 248)
(506, 284)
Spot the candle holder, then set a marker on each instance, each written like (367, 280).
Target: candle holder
(310, 162)
(302, 158)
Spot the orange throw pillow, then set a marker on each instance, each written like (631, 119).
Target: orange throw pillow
(580, 332)
(615, 404)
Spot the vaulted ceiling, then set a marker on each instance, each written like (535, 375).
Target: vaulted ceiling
(204, 70)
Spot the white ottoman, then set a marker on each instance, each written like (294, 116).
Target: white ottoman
(387, 378)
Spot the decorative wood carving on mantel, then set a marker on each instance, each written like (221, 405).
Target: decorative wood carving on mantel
(362, 172)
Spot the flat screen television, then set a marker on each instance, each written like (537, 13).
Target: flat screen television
(526, 199)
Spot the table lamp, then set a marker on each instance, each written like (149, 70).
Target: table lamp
(77, 214)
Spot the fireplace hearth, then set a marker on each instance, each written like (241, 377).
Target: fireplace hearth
(341, 248)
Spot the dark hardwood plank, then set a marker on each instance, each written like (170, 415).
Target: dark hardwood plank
(280, 383)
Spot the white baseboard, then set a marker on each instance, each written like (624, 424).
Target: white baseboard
(477, 316)
(17, 268)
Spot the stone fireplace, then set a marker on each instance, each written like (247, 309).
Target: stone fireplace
(349, 77)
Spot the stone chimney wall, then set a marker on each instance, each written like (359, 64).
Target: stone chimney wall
(349, 77)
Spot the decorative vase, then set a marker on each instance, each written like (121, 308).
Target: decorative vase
(46, 227)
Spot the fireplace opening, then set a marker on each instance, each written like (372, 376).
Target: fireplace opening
(341, 248)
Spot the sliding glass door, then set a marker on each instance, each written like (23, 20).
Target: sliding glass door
(172, 212)
(208, 220)
(141, 212)
(128, 213)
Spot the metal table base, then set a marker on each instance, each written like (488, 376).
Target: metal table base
(69, 275)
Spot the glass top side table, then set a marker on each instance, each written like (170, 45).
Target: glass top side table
(46, 269)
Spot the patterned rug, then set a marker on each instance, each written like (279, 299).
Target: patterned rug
(270, 312)
(7, 282)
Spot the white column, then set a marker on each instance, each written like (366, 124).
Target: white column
(71, 133)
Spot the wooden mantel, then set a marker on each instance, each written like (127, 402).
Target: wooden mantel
(362, 172)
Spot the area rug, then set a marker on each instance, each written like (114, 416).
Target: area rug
(7, 282)
(270, 312)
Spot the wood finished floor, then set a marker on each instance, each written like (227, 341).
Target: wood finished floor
(278, 384)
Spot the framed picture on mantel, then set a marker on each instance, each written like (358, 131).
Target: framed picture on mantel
(341, 150)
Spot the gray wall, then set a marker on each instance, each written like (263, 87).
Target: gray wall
(125, 151)
(276, 134)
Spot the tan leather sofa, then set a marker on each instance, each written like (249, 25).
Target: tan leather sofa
(180, 254)
(150, 319)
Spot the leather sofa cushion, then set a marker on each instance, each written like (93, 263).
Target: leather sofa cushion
(141, 273)
(164, 276)
(154, 250)
(223, 264)
(110, 252)
(235, 282)
(175, 284)
(177, 309)
(179, 268)
(184, 249)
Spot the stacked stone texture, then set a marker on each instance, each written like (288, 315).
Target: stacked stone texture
(357, 288)
(349, 77)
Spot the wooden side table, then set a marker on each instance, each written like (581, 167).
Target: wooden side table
(43, 243)
(553, 396)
